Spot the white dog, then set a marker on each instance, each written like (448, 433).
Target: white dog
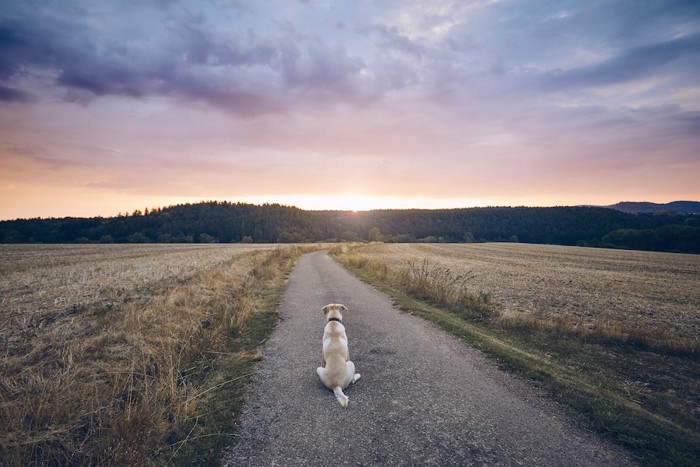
(339, 371)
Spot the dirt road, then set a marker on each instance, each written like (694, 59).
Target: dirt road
(425, 398)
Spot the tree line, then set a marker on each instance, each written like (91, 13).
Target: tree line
(227, 222)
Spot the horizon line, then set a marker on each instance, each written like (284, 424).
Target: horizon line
(126, 213)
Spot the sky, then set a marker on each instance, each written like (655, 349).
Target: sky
(111, 106)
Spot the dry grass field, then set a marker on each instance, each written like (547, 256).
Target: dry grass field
(613, 334)
(653, 291)
(111, 354)
(50, 284)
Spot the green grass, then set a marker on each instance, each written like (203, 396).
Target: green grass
(644, 398)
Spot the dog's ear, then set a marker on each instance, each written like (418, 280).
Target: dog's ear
(326, 309)
(344, 308)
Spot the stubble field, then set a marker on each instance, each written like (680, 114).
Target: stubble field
(42, 285)
(659, 292)
(613, 334)
(129, 354)
(123, 354)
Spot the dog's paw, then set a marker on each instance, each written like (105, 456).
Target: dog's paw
(356, 377)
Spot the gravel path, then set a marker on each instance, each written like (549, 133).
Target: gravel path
(425, 398)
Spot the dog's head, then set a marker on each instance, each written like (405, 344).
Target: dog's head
(334, 310)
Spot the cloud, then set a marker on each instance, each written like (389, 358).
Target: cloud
(253, 59)
(633, 64)
(189, 57)
(390, 37)
(8, 94)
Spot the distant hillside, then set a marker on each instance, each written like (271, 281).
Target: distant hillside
(685, 207)
(232, 223)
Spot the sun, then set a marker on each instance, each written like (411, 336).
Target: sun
(350, 202)
(355, 203)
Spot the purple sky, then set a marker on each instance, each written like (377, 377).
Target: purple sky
(110, 106)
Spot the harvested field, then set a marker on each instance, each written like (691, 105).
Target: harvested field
(124, 354)
(657, 291)
(40, 284)
(612, 334)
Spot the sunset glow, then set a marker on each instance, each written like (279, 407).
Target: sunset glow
(107, 108)
(363, 202)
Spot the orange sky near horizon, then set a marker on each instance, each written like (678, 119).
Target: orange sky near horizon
(77, 202)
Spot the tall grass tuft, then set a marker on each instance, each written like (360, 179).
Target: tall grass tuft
(428, 281)
(437, 284)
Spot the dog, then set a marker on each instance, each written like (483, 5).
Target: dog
(338, 371)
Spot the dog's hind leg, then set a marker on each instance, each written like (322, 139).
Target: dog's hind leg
(350, 370)
(322, 374)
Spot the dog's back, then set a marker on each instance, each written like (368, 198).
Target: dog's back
(339, 371)
(335, 341)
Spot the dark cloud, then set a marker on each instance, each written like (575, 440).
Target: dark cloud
(242, 102)
(34, 34)
(105, 78)
(389, 37)
(193, 38)
(8, 94)
(279, 57)
(319, 67)
(187, 57)
(633, 64)
(683, 127)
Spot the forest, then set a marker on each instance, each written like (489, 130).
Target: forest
(226, 222)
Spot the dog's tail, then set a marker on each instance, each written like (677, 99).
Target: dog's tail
(342, 398)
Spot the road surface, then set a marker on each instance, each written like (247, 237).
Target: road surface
(425, 397)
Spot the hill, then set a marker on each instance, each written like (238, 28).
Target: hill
(685, 207)
(271, 223)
